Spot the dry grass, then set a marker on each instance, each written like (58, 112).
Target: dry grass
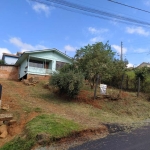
(25, 99)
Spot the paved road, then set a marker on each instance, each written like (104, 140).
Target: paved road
(138, 139)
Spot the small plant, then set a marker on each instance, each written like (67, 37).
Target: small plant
(69, 82)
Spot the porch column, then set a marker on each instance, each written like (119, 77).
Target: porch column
(53, 65)
(28, 63)
(45, 67)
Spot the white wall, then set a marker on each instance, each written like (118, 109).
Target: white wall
(10, 60)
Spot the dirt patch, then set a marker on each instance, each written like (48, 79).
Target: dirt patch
(87, 97)
(18, 127)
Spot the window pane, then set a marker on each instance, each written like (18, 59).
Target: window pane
(59, 64)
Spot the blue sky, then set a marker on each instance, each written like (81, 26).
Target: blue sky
(27, 25)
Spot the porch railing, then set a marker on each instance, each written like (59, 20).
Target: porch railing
(41, 71)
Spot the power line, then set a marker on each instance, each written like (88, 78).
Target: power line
(92, 12)
(130, 6)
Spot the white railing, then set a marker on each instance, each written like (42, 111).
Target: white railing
(36, 70)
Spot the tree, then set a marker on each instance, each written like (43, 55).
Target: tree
(117, 72)
(1, 62)
(142, 73)
(95, 59)
(68, 80)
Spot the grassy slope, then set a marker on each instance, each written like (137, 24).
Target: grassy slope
(52, 125)
(26, 99)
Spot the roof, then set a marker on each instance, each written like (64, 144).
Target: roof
(26, 54)
(12, 55)
(144, 64)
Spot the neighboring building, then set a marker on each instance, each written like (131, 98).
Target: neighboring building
(41, 62)
(144, 64)
(37, 63)
(9, 59)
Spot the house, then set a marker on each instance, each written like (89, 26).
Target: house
(10, 59)
(39, 63)
(144, 64)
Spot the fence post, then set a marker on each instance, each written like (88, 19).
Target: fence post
(97, 79)
(0, 96)
(138, 87)
(121, 85)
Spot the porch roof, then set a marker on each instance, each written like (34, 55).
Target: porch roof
(27, 53)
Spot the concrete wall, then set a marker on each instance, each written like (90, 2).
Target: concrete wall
(9, 72)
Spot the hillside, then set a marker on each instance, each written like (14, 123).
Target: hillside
(26, 102)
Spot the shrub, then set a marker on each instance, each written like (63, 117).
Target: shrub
(69, 82)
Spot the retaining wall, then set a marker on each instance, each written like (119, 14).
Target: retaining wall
(8, 72)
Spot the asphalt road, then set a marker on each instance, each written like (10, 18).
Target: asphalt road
(138, 139)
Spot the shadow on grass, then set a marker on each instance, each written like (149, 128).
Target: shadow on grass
(57, 99)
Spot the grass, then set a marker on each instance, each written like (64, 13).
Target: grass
(56, 126)
(127, 110)
(53, 125)
(19, 144)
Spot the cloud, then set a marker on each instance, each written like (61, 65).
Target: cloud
(24, 46)
(130, 65)
(118, 49)
(96, 39)
(114, 22)
(70, 48)
(37, 7)
(141, 50)
(137, 30)
(3, 50)
(96, 31)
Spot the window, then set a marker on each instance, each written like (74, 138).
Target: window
(59, 65)
(35, 63)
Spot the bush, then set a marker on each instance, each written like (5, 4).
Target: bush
(69, 82)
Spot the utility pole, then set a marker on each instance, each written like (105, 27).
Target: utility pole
(121, 56)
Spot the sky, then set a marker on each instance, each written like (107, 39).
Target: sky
(27, 26)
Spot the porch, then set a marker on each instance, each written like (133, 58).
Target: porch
(39, 71)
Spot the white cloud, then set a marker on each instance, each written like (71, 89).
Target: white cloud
(118, 49)
(3, 50)
(137, 30)
(130, 65)
(114, 22)
(96, 39)
(96, 31)
(41, 8)
(141, 50)
(24, 46)
(70, 48)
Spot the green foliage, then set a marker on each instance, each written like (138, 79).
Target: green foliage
(98, 59)
(53, 125)
(118, 69)
(19, 144)
(95, 59)
(141, 73)
(2, 62)
(68, 81)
